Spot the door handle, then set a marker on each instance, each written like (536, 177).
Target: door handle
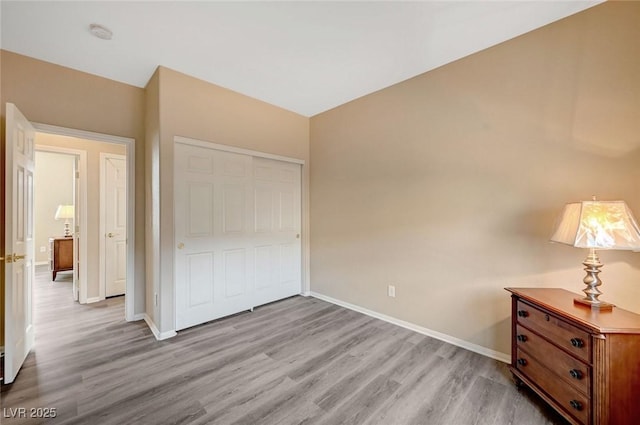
(111, 235)
(12, 258)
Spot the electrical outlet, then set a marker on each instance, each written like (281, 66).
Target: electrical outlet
(391, 291)
(43, 249)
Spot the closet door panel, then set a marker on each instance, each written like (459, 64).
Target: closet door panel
(280, 277)
(237, 232)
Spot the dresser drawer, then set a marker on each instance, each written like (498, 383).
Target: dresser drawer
(568, 368)
(567, 397)
(558, 331)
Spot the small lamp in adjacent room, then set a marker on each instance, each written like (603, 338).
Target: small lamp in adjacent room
(65, 212)
(596, 225)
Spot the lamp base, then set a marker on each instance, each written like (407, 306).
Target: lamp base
(592, 266)
(67, 230)
(599, 305)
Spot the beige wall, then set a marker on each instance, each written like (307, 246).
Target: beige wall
(51, 94)
(52, 186)
(193, 108)
(93, 150)
(447, 185)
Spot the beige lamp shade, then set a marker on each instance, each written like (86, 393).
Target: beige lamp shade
(599, 225)
(64, 212)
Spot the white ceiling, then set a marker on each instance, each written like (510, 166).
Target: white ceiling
(306, 57)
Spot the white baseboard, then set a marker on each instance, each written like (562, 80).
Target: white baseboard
(94, 300)
(136, 317)
(159, 335)
(503, 357)
(306, 293)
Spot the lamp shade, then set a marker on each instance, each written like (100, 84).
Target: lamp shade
(598, 225)
(64, 212)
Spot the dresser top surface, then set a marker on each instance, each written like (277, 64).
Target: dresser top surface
(560, 301)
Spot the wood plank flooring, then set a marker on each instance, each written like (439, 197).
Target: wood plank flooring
(297, 361)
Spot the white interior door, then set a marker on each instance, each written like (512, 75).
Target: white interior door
(115, 224)
(76, 227)
(19, 332)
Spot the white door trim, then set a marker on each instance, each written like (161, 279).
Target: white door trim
(82, 211)
(131, 196)
(233, 149)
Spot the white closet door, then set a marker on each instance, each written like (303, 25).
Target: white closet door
(232, 205)
(277, 244)
(213, 254)
(237, 232)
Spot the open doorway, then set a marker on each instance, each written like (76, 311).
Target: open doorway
(55, 196)
(96, 257)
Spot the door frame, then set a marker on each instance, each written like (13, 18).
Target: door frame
(103, 240)
(131, 195)
(233, 149)
(81, 274)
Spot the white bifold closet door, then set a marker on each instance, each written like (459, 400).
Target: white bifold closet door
(237, 232)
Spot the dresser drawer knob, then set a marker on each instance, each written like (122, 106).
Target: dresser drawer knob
(577, 342)
(522, 362)
(546, 317)
(576, 374)
(576, 404)
(523, 313)
(522, 338)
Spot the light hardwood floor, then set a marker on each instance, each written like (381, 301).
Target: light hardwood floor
(297, 361)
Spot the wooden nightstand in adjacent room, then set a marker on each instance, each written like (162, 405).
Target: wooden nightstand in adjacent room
(60, 255)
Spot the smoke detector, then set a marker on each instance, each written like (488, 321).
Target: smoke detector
(100, 31)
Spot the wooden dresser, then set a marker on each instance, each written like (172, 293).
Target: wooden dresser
(583, 362)
(60, 255)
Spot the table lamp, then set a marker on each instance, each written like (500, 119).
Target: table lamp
(596, 225)
(65, 212)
